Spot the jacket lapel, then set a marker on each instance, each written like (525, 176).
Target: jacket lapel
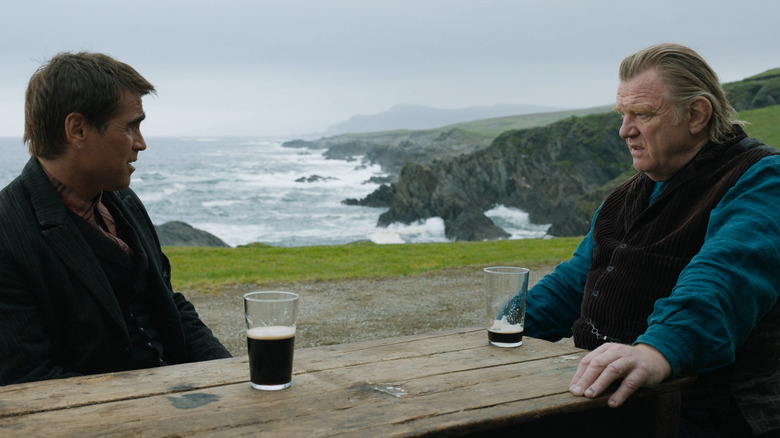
(66, 241)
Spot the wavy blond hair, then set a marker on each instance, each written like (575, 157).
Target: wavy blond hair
(686, 75)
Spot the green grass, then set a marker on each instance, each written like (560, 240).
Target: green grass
(764, 124)
(209, 268)
(494, 127)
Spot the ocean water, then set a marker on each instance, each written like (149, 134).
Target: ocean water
(246, 190)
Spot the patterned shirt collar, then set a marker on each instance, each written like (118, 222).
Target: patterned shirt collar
(74, 201)
(87, 208)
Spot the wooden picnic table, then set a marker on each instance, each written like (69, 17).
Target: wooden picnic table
(449, 383)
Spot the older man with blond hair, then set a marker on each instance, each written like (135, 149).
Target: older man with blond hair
(679, 272)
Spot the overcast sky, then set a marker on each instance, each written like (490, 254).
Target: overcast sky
(293, 67)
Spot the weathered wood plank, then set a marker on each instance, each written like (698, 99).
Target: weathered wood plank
(419, 345)
(101, 388)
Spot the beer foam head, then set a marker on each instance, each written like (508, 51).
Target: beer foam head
(271, 332)
(503, 326)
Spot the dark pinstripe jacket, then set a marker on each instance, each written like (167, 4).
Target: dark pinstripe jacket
(59, 316)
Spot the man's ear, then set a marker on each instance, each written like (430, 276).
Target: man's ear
(699, 112)
(75, 128)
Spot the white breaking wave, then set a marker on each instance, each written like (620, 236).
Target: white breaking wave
(515, 222)
(430, 230)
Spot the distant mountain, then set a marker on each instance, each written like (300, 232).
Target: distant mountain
(417, 117)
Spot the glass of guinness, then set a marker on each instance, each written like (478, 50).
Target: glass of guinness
(505, 291)
(270, 338)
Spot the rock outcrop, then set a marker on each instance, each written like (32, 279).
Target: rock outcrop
(547, 172)
(178, 233)
(314, 178)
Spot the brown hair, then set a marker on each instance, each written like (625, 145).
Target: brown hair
(87, 83)
(686, 75)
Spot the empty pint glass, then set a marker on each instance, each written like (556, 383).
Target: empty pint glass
(505, 291)
(270, 337)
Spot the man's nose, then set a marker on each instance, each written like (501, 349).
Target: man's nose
(139, 143)
(628, 129)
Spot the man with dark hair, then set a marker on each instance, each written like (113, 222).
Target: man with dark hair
(84, 285)
(679, 273)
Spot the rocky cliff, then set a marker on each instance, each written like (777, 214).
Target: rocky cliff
(544, 171)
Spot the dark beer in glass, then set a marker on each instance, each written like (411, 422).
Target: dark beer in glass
(270, 356)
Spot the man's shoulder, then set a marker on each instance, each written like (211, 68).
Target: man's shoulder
(30, 180)
(768, 166)
(762, 154)
(14, 193)
(17, 212)
(757, 145)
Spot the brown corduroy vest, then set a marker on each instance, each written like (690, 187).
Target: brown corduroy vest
(640, 249)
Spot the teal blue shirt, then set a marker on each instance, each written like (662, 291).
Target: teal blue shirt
(719, 297)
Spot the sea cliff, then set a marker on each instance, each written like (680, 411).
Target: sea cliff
(548, 172)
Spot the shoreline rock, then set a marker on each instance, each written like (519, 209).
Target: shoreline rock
(177, 233)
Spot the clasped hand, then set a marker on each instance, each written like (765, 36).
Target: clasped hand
(639, 366)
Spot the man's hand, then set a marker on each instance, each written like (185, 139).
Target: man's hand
(639, 366)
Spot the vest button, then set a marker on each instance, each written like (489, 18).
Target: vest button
(610, 268)
(595, 293)
(622, 245)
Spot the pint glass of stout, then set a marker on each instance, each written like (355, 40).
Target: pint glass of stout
(505, 291)
(270, 337)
